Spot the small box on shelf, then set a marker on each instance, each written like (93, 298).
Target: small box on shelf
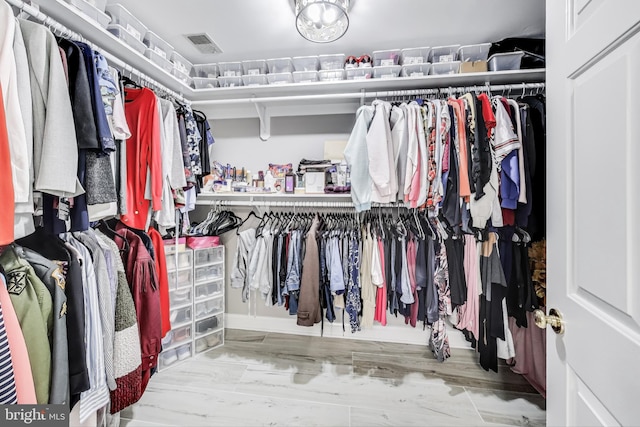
(280, 65)
(306, 63)
(157, 44)
(386, 58)
(230, 81)
(331, 62)
(505, 61)
(416, 70)
(279, 78)
(159, 60)
(204, 82)
(386, 71)
(444, 53)
(254, 79)
(121, 16)
(331, 75)
(205, 70)
(474, 52)
(230, 69)
(442, 68)
(130, 40)
(305, 76)
(414, 55)
(254, 67)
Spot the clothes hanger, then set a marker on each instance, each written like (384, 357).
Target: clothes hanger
(104, 226)
(252, 213)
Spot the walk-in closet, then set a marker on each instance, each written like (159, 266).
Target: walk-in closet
(319, 212)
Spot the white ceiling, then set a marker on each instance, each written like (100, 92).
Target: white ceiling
(261, 29)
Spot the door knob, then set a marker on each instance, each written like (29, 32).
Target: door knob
(554, 319)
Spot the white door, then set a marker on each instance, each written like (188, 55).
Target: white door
(593, 187)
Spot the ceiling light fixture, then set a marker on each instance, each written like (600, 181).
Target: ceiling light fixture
(322, 21)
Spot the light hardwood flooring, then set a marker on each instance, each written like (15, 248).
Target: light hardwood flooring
(273, 379)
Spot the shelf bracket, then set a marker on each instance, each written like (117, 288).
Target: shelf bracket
(265, 121)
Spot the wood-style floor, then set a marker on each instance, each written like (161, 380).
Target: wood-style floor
(273, 379)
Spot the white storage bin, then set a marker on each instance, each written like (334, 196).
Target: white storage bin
(209, 341)
(230, 69)
(331, 75)
(171, 356)
(386, 58)
(180, 316)
(331, 62)
(474, 52)
(414, 55)
(159, 60)
(359, 73)
(180, 297)
(98, 4)
(204, 82)
(209, 255)
(440, 68)
(180, 63)
(179, 279)
(205, 70)
(280, 65)
(208, 290)
(305, 76)
(306, 63)
(93, 10)
(121, 16)
(415, 70)
(254, 80)
(184, 78)
(127, 38)
(279, 78)
(209, 324)
(184, 260)
(208, 273)
(386, 72)
(229, 81)
(444, 53)
(209, 307)
(254, 67)
(177, 336)
(505, 61)
(155, 43)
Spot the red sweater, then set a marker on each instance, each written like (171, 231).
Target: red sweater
(163, 279)
(6, 183)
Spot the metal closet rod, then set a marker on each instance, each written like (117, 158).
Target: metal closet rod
(295, 204)
(383, 94)
(48, 21)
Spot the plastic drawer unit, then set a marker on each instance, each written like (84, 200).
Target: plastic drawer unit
(208, 324)
(180, 297)
(208, 273)
(180, 316)
(184, 260)
(176, 337)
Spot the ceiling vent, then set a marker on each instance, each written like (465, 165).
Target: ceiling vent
(204, 43)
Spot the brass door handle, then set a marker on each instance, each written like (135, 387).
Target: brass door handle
(554, 319)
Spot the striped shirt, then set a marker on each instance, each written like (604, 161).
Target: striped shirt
(98, 394)
(8, 394)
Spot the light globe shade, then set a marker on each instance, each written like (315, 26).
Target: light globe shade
(322, 21)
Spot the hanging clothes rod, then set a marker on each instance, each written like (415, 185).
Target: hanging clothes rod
(292, 204)
(383, 94)
(64, 31)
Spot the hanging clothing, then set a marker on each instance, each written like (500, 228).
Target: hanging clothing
(8, 392)
(163, 279)
(309, 311)
(6, 182)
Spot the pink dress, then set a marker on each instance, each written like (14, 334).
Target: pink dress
(25, 387)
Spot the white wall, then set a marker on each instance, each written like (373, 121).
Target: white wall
(292, 139)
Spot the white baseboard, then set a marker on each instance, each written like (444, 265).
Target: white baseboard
(390, 333)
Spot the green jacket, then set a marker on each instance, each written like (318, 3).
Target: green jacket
(33, 305)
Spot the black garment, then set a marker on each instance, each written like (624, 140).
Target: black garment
(528, 140)
(204, 129)
(457, 280)
(451, 203)
(432, 293)
(80, 93)
(521, 295)
(537, 167)
(481, 153)
(53, 248)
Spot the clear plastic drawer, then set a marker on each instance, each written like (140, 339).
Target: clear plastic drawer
(209, 307)
(208, 290)
(171, 356)
(180, 297)
(209, 324)
(209, 255)
(179, 279)
(208, 273)
(177, 336)
(180, 316)
(184, 260)
(209, 341)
